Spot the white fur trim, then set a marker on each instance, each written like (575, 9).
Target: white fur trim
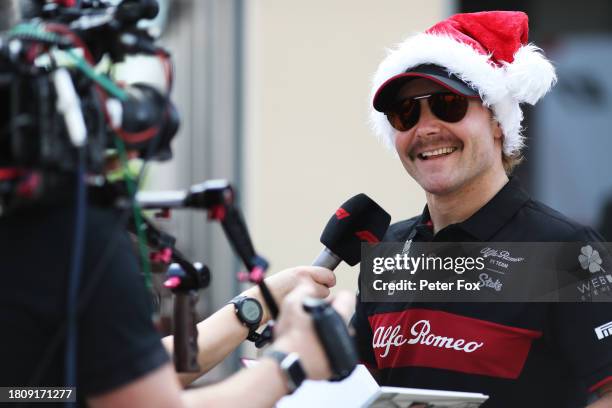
(531, 75)
(527, 79)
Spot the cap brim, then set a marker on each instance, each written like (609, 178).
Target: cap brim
(386, 95)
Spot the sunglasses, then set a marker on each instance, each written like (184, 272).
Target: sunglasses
(446, 106)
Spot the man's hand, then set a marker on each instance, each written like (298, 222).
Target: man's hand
(283, 282)
(295, 331)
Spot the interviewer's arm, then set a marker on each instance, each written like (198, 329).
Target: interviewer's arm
(258, 387)
(222, 333)
(261, 385)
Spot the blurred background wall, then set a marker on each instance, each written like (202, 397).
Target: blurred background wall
(274, 97)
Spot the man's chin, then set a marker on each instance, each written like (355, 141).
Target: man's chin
(438, 186)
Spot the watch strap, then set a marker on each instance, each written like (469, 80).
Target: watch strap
(291, 367)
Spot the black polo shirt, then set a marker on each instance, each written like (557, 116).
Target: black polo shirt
(520, 354)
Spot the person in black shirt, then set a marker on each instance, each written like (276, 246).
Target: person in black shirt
(121, 359)
(448, 101)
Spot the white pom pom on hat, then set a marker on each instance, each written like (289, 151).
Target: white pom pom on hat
(489, 52)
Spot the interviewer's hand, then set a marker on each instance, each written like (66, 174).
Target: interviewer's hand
(295, 331)
(283, 282)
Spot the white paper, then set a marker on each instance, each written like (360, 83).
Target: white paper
(394, 397)
(352, 392)
(361, 390)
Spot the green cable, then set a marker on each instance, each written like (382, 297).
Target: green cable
(35, 32)
(102, 80)
(144, 256)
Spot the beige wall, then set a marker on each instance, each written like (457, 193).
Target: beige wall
(307, 143)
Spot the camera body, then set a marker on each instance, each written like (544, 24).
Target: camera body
(40, 107)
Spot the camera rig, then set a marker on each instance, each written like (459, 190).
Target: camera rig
(59, 106)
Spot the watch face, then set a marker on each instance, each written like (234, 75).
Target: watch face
(251, 311)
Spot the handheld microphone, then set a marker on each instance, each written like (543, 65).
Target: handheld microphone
(358, 220)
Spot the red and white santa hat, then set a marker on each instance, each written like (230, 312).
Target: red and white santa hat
(489, 52)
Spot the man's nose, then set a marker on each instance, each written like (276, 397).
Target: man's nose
(428, 123)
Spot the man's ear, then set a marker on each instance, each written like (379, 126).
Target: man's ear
(497, 130)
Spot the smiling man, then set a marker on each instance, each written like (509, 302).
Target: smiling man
(449, 159)
(448, 101)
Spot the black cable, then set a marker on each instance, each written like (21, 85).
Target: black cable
(74, 277)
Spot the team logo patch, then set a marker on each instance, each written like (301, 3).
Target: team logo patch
(436, 339)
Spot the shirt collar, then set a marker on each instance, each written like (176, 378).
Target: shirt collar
(490, 218)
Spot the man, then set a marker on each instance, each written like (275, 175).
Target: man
(448, 101)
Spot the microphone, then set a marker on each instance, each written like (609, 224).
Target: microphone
(358, 220)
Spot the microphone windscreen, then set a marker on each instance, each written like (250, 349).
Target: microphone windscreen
(358, 220)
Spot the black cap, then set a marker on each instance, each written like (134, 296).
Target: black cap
(386, 94)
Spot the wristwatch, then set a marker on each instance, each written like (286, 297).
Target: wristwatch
(290, 366)
(249, 312)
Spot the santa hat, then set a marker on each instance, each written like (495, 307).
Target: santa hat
(489, 52)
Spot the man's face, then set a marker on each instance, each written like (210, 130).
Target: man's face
(474, 144)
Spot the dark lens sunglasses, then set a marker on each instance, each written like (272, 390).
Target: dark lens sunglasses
(446, 106)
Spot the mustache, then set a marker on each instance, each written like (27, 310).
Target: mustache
(421, 143)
